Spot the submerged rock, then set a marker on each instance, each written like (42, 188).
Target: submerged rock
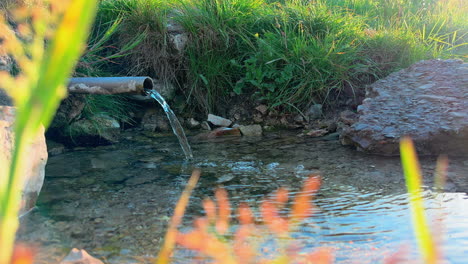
(317, 133)
(219, 132)
(80, 256)
(251, 130)
(54, 148)
(427, 101)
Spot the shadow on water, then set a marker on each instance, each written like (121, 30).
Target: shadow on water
(115, 201)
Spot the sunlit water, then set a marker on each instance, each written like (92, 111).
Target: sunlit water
(115, 201)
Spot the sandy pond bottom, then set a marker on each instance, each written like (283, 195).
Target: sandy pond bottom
(115, 201)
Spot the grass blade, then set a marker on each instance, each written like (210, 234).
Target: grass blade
(413, 177)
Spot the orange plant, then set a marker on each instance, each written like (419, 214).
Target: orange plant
(211, 238)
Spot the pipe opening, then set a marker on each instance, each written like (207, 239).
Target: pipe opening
(147, 85)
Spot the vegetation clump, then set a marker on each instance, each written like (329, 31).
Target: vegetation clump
(287, 54)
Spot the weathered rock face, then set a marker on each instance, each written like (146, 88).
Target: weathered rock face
(34, 163)
(98, 130)
(427, 101)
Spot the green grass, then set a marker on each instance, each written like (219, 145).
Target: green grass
(287, 54)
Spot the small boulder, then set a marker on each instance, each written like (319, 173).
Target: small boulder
(314, 112)
(219, 121)
(33, 169)
(427, 101)
(204, 125)
(80, 256)
(99, 130)
(251, 130)
(155, 119)
(192, 123)
(179, 41)
(263, 109)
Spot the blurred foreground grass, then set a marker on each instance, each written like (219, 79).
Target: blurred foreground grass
(45, 44)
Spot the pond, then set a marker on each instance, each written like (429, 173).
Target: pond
(115, 201)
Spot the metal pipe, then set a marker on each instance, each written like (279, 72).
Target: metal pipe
(110, 85)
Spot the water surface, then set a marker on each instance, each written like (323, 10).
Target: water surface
(115, 201)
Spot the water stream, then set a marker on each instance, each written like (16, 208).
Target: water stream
(115, 201)
(175, 124)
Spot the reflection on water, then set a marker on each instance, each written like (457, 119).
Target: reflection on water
(115, 201)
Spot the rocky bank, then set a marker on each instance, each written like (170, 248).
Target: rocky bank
(427, 101)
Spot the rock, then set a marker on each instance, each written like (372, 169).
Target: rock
(257, 118)
(5, 63)
(225, 178)
(179, 41)
(205, 126)
(192, 123)
(317, 133)
(99, 130)
(54, 148)
(80, 256)
(299, 118)
(219, 121)
(155, 119)
(33, 166)
(219, 132)
(173, 27)
(427, 101)
(263, 109)
(224, 131)
(314, 112)
(5, 99)
(251, 130)
(69, 109)
(348, 117)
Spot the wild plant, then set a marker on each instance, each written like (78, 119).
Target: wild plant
(46, 43)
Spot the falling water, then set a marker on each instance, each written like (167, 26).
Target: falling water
(176, 127)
